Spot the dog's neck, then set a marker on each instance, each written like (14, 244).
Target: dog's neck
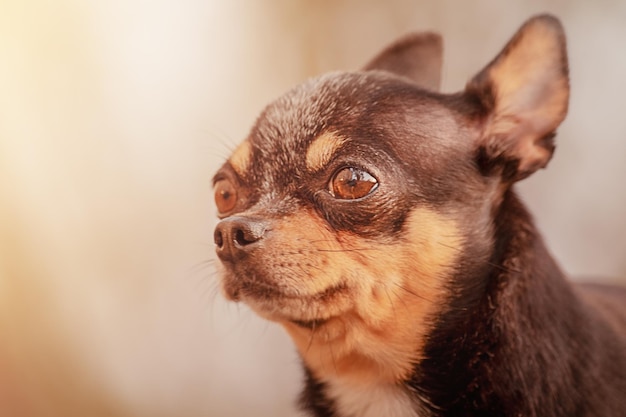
(520, 342)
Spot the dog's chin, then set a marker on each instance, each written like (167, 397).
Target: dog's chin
(306, 310)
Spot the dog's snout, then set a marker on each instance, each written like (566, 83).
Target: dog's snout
(234, 236)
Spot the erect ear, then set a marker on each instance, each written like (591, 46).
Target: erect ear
(524, 94)
(417, 56)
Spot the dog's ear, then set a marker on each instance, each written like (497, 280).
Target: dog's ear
(417, 56)
(523, 94)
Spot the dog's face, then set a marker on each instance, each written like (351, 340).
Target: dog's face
(340, 208)
(358, 199)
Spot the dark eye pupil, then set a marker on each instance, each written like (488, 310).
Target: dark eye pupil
(352, 181)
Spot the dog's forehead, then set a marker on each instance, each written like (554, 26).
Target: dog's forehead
(285, 128)
(293, 120)
(301, 130)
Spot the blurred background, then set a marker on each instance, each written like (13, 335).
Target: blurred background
(114, 116)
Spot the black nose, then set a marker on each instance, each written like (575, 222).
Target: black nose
(234, 236)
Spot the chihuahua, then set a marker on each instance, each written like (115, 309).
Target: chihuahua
(375, 219)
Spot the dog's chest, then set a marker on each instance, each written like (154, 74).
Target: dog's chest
(371, 401)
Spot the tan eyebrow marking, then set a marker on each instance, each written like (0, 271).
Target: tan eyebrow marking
(322, 149)
(240, 159)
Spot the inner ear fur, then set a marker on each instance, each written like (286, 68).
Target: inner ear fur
(523, 94)
(417, 56)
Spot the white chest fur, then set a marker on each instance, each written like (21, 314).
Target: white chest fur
(371, 401)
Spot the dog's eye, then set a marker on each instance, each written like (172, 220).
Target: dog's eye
(225, 196)
(352, 183)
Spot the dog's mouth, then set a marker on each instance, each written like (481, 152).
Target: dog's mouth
(310, 324)
(309, 311)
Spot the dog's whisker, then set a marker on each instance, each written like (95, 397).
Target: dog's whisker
(403, 288)
(207, 263)
(348, 250)
(332, 354)
(391, 303)
(210, 293)
(311, 337)
(402, 299)
(198, 280)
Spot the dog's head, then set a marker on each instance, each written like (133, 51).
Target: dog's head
(358, 198)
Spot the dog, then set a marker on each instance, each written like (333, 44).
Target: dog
(375, 219)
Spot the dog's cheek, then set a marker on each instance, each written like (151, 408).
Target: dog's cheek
(402, 288)
(416, 266)
(395, 291)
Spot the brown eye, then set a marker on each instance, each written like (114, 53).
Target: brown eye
(225, 196)
(352, 183)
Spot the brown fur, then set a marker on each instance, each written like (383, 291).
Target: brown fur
(431, 293)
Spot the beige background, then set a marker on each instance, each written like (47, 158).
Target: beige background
(115, 114)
